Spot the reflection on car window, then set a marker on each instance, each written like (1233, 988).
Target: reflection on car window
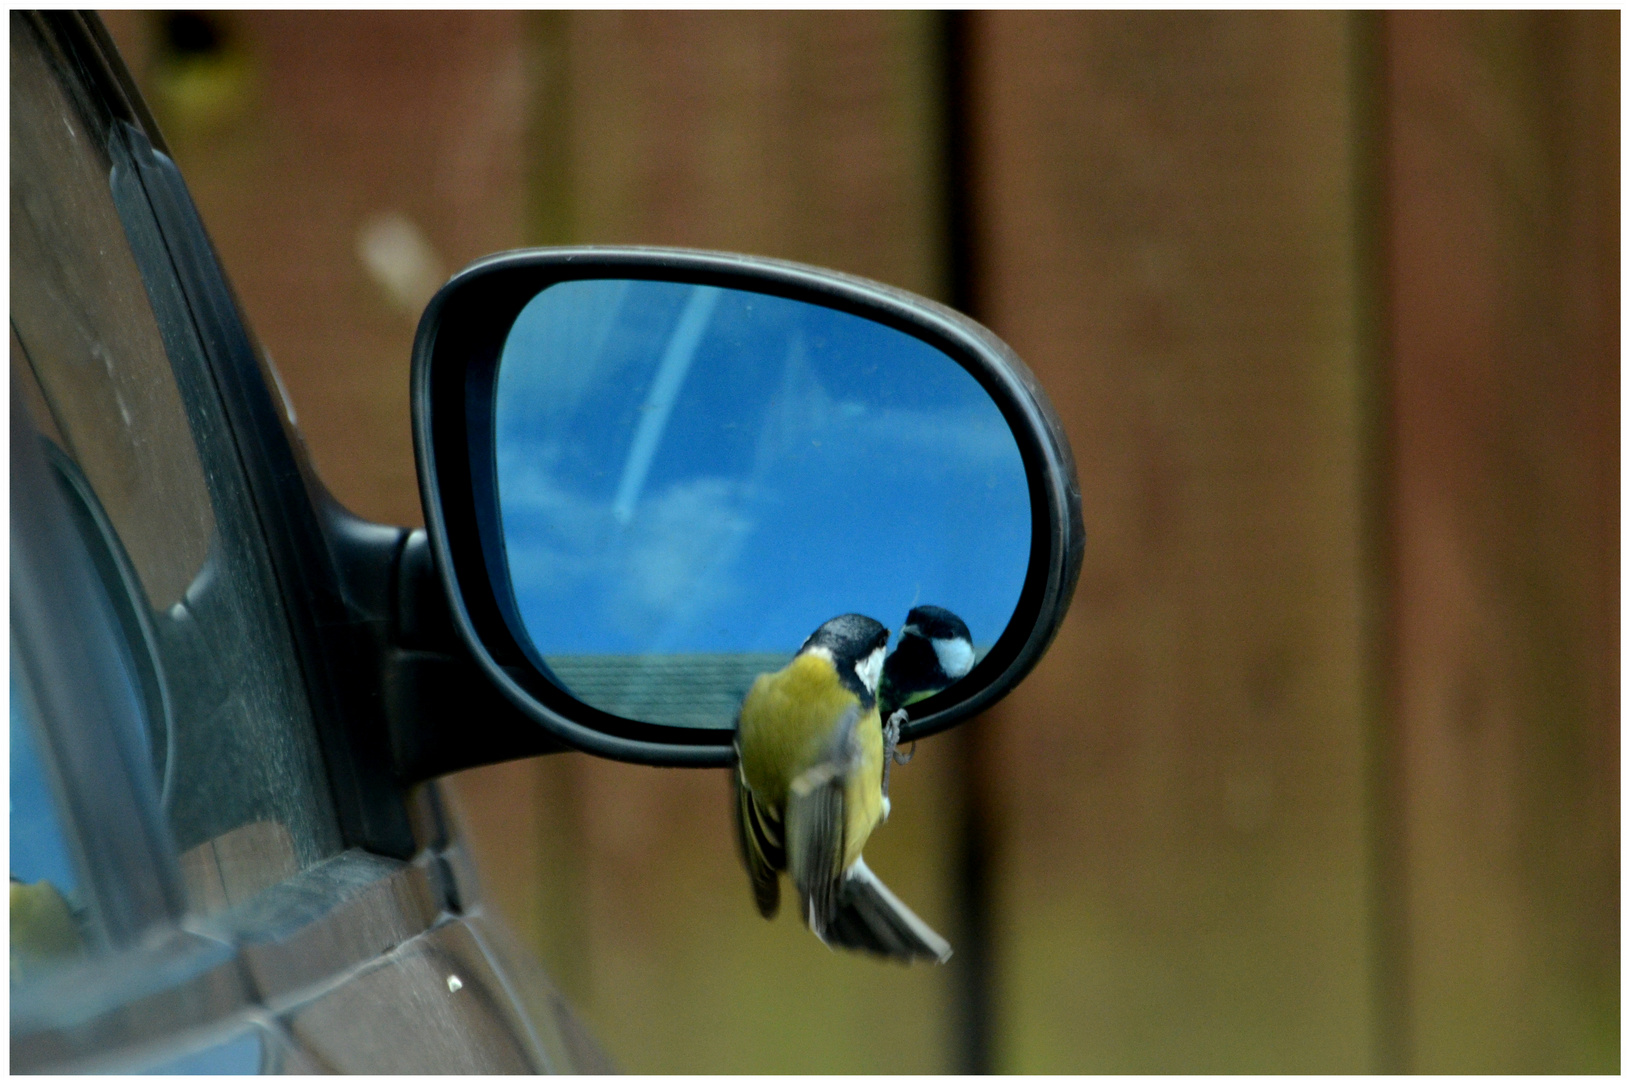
(86, 313)
(147, 464)
(242, 1054)
(46, 913)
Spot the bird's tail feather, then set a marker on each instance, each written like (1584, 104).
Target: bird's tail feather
(869, 918)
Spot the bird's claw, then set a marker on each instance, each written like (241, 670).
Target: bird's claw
(889, 750)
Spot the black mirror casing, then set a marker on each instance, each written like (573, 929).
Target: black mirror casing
(455, 356)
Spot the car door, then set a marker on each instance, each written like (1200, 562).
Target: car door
(215, 866)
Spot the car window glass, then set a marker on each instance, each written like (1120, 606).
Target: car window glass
(103, 344)
(149, 467)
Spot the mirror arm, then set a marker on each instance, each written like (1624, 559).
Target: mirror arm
(440, 713)
(444, 713)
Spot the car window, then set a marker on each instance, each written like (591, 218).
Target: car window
(143, 453)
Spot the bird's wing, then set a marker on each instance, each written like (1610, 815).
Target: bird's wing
(815, 839)
(762, 846)
(854, 909)
(816, 825)
(869, 918)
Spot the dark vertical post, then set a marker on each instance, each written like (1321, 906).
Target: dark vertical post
(1370, 130)
(972, 968)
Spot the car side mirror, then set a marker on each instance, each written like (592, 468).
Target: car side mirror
(649, 474)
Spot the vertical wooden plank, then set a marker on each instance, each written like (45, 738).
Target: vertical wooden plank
(1504, 186)
(807, 136)
(1168, 206)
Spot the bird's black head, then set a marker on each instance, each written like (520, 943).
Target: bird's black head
(856, 644)
(934, 652)
(936, 623)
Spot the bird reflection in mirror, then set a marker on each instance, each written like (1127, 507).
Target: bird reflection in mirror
(808, 793)
(934, 652)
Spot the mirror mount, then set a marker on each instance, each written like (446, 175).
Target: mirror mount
(437, 712)
(444, 713)
(459, 344)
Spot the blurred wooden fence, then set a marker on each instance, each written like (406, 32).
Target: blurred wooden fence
(1322, 772)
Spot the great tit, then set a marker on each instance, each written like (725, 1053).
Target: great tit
(934, 651)
(808, 793)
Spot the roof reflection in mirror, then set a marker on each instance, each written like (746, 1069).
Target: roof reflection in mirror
(690, 478)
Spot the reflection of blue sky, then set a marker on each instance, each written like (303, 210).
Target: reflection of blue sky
(686, 469)
(39, 850)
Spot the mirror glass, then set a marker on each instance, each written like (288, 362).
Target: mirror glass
(691, 479)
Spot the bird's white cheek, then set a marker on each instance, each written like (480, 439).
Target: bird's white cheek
(869, 669)
(955, 657)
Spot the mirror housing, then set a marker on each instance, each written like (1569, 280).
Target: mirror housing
(459, 343)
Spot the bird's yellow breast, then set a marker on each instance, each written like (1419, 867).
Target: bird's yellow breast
(786, 726)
